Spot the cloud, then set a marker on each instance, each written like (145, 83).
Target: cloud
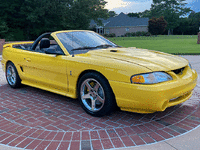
(116, 4)
(190, 1)
(194, 5)
(127, 6)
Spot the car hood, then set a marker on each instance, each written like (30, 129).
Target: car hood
(153, 60)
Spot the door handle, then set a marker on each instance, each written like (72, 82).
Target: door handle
(27, 59)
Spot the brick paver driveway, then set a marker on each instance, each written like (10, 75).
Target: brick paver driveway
(31, 118)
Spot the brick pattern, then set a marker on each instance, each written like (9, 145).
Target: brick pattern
(35, 119)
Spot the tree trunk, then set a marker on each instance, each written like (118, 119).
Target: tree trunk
(168, 31)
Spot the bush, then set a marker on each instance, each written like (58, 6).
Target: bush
(148, 34)
(157, 25)
(110, 35)
(143, 33)
(106, 35)
(128, 34)
(132, 33)
(138, 33)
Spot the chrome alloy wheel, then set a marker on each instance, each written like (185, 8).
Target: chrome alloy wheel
(11, 75)
(92, 95)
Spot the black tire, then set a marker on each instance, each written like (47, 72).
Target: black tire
(104, 93)
(12, 75)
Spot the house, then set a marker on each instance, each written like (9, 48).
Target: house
(121, 24)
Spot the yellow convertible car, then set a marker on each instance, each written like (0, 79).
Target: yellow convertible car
(103, 76)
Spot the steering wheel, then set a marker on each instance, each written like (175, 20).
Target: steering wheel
(38, 40)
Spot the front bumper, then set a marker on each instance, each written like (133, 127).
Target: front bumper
(156, 97)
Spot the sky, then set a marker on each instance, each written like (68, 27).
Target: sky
(127, 6)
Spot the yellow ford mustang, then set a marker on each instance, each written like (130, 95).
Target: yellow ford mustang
(102, 75)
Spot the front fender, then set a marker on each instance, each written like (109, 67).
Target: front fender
(112, 71)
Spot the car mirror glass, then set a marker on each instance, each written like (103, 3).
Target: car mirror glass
(51, 51)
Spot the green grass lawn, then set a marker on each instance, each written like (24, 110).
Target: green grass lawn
(174, 44)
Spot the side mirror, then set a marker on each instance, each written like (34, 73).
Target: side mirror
(49, 51)
(52, 51)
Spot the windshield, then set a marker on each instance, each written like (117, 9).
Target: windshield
(83, 40)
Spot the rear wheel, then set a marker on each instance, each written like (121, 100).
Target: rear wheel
(95, 95)
(12, 76)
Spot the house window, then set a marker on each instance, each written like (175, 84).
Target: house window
(127, 29)
(107, 31)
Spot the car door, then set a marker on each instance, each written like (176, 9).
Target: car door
(47, 71)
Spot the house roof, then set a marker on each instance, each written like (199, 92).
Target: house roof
(122, 20)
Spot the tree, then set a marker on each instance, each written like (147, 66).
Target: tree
(83, 11)
(171, 10)
(3, 29)
(43, 16)
(29, 18)
(112, 14)
(183, 27)
(134, 15)
(195, 17)
(192, 14)
(189, 25)
(145, 14)
(26, 19)
(157, 25)
(194, 22)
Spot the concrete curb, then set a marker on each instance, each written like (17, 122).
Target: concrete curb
(6, 147)
(185, 141)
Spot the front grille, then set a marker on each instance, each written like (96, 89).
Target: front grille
(174, 99)
(186, 94)
(179, 71)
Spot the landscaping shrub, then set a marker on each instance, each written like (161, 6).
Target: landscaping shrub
(105, 35)
(143, 33)
(132, 33)
(128, 34)
(148, 34)
(157, 25)
(110, 35)
(138, 33)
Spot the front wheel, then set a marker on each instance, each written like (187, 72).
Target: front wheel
(95, 95)
(12, 76)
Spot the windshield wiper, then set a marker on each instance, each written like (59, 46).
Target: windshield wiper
(104, 46)
(83, 48)
(99, 46)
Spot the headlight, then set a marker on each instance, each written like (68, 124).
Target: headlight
(150, 78)
(190, 65)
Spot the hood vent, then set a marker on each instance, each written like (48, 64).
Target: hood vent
(113, 50)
